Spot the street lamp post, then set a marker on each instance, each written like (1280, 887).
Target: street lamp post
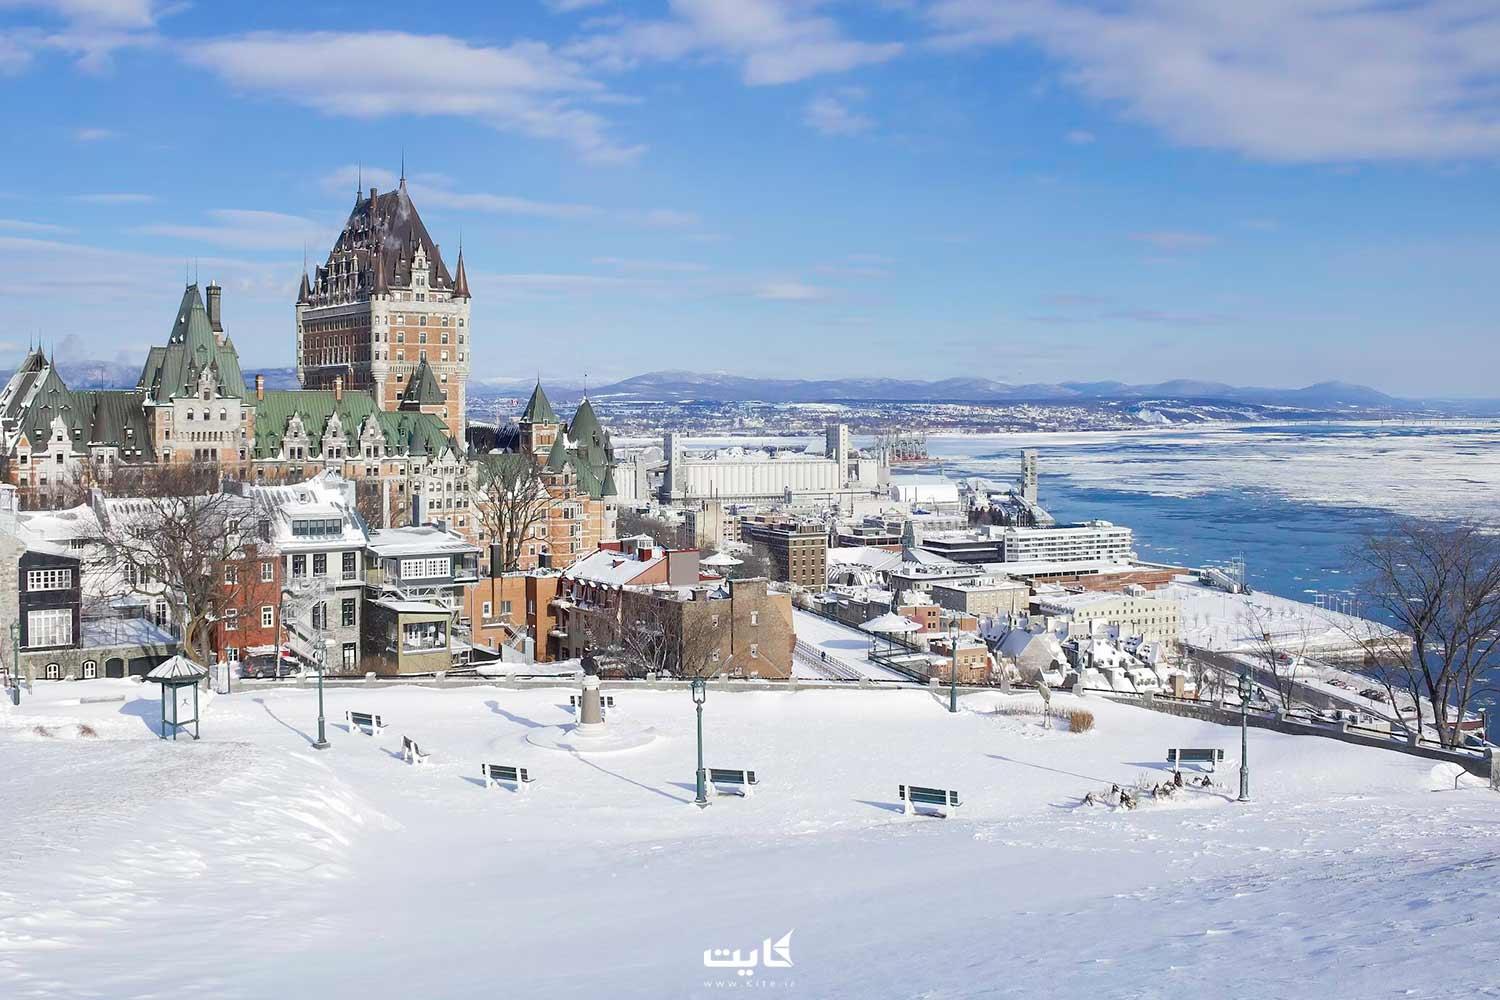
(15, 659)
(1245, 689)
(321, 743)
(953, 669)
(700, 695)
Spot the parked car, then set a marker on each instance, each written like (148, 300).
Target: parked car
(267, 668)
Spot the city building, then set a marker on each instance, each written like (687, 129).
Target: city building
(740, 628)
(1133, 613)
(798, 549)
(191, 408)
(588, 601)
(381, 305)
(754, 474)
(414, 597)
(1088, 541)
(984, 596)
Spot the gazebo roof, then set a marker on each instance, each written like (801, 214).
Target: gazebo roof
(721, 559)
(178, 670)
(891, 622)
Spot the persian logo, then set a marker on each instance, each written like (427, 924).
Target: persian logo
(770, 955)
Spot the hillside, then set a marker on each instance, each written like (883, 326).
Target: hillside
(351, 872)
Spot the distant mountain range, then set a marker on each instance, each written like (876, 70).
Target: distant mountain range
(680, 386)
(683, 386)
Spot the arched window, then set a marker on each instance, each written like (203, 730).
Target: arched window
(53, 671)
(90, 670)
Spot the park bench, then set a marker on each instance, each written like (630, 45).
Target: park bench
(365, 720)
(1177, 756)
(739, 778)
(915, 795)
(495, 774)
(605, 700)
(411, 752)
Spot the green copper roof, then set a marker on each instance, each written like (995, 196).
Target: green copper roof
(404, 432)
(538, 409)
(173, 370)
(423, 389)
(584, 449)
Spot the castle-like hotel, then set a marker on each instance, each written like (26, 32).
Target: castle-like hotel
(384, 346)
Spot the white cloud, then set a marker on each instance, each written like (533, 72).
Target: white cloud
(525, 87)
(568, 6)
(831, 114)
(1080, 137)
(635, 264)
(93, 134)
(431, 190)
(91, 30)
(1175, 239)
(114, 198)
(791, 291)
(23, 226)
(248, 229)
(1280, 80)
(772, 41)
(664, 218)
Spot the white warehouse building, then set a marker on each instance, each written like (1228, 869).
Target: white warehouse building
(747, 474)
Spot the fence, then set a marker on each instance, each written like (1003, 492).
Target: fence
(1480, 763)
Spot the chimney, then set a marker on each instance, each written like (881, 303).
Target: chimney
(372, 197)
(338, 388)
(260, 387)
(215, 316)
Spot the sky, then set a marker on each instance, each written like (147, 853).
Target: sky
(1275, 193)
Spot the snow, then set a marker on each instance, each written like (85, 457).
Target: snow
(1216, 619)
(849, 647)
(249, 865)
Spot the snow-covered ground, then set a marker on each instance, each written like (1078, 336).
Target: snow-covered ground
(1227, 622)
(249, 865)
(846, 646)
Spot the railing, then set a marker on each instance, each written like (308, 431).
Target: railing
(819, 660)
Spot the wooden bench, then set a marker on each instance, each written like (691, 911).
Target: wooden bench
(496, 774)
(1177, 756)
(915, 795)
(605, 701)
(363, 721)
(742, 779)
(411, 752)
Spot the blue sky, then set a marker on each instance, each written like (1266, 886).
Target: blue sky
(1030, 190)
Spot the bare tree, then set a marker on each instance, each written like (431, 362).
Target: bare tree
(185, 550)
(629, 523)
(757, 562)
(1440, 585)
(1280, 651)
(666, 634)
(511, 500)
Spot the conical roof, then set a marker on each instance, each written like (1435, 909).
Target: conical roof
(538, 408)
(461, 279)
(423, 388)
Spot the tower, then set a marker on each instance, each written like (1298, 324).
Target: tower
(381, 304)
(1028, 475)
(539, 424)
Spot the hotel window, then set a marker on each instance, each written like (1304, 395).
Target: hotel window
(49, 579)
(53, 627)
(267, 616)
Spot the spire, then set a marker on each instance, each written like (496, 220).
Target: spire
(403, 166)
(304, 294)
(461, 277)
